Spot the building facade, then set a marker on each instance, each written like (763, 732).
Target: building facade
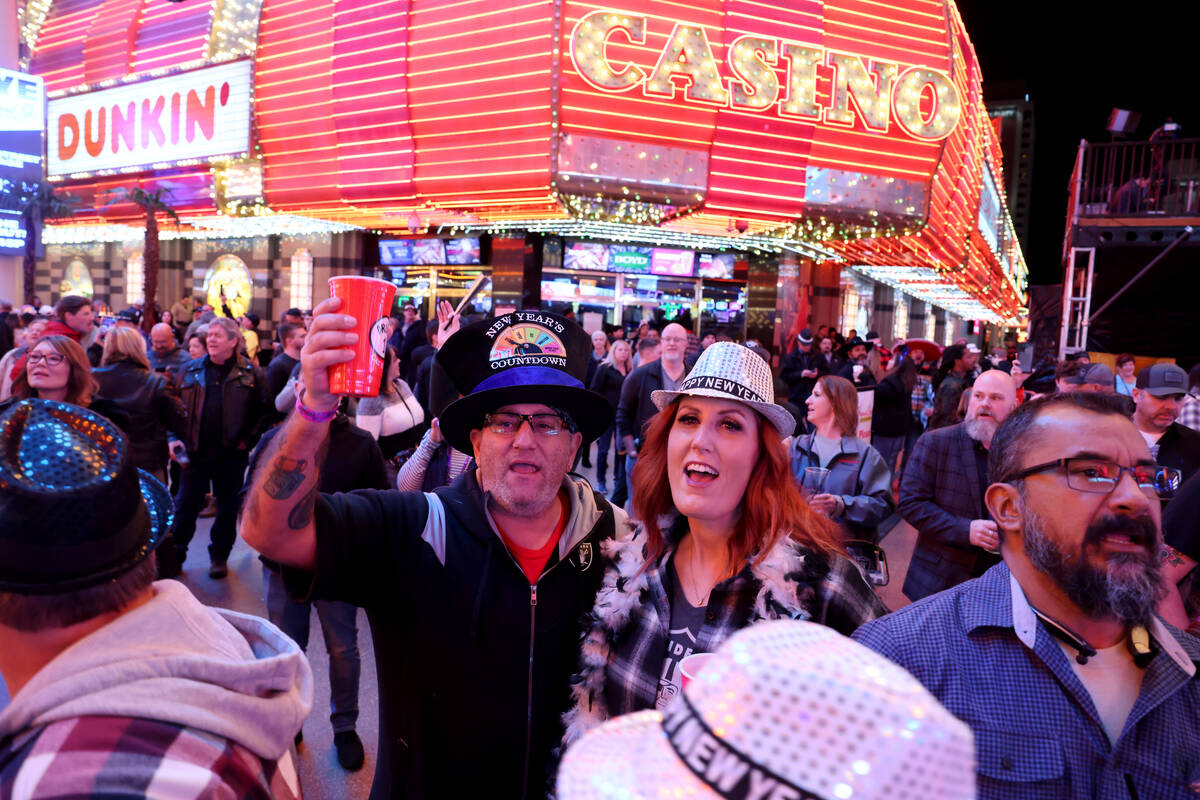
(761, 166)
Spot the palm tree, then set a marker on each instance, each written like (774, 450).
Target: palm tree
(39, 202)
(152, 204)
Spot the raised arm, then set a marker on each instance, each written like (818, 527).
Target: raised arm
(277, 519)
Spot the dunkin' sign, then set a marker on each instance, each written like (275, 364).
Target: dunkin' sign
(191, 115)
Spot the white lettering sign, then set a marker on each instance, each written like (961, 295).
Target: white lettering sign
(22, 101)
(196, 114)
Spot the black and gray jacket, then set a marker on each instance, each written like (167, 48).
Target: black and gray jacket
(474, 663)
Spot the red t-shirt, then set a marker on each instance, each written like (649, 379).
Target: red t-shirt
(534, 561)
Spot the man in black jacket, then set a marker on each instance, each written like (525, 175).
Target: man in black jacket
(854, 369)
(225, 398)
(291, 338)
(165, 354)
(826, 360)
(421, 353)
(407, 337)
(475, 592)
(1159, 391)
(799, 370)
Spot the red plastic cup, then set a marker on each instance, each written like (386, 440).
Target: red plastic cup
(690, 666)
(368, 300)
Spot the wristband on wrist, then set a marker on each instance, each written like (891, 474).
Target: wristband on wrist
(314, 416)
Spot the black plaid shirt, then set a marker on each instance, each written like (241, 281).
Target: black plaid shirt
(829, 590)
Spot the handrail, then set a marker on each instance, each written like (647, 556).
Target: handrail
(1138, 179)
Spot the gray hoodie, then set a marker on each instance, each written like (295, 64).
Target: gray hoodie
(176, 660)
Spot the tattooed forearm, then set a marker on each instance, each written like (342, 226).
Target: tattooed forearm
(285, 478)
(302, 513)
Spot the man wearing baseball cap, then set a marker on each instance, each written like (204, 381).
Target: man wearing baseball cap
(476, 592)
(1094, 378)
(1157, 396)
(122, 686)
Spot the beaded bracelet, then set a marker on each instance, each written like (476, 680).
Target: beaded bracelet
(314, 416)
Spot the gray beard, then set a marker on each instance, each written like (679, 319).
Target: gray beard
(1118, 591)
(981, 430)
(499, 496)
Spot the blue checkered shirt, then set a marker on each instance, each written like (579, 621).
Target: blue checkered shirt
(980, 650)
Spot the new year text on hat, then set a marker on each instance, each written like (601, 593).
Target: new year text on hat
(526, 338)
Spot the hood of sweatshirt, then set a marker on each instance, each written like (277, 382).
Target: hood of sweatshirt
(176, 660)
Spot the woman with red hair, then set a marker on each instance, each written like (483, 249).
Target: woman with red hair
(725, 540)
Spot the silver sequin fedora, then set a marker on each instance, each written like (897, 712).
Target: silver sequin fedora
(731, 371)
(782, 709)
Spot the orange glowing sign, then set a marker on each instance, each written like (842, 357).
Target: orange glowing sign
(189, 115)
(865, 93)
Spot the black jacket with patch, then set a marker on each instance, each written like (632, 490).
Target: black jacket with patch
(474, 663)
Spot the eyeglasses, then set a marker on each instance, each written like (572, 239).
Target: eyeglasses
(51, 359)
(1101, 476)
(503, 423)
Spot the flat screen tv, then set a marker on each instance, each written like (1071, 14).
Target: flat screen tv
(462, 251)
(429, 251)
(591, 256)
(395, 252)
(675, 263)
(716, 265)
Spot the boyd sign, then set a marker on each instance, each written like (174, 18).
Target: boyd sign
(923, 101)
(191, 115)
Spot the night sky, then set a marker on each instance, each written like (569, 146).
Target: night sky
(1079, 61)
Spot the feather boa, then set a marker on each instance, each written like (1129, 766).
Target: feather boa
(784, 586)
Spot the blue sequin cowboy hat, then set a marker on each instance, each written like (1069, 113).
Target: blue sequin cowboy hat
(74, 510)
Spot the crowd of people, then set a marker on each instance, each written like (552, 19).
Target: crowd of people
(533, 629)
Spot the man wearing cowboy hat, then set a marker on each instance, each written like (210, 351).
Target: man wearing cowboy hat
(123, 687)
(855, 369)
(476, 592)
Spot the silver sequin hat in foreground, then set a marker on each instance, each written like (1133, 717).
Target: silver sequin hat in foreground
(730, 371)
(783, 709)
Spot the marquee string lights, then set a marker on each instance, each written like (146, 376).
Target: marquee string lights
(853, 128)
(658, 237)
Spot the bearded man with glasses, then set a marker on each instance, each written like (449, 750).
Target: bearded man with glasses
(476, 592)
(1072, 685)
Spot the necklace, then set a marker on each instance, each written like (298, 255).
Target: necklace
(694, 594)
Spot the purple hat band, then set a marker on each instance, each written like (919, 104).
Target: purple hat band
(528, 376)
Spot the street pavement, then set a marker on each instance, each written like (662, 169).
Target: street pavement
(320, 775)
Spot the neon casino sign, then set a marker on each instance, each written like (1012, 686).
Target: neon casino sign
(923, 102)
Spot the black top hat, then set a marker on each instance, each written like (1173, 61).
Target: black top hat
(522, 357)
(74, 510)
